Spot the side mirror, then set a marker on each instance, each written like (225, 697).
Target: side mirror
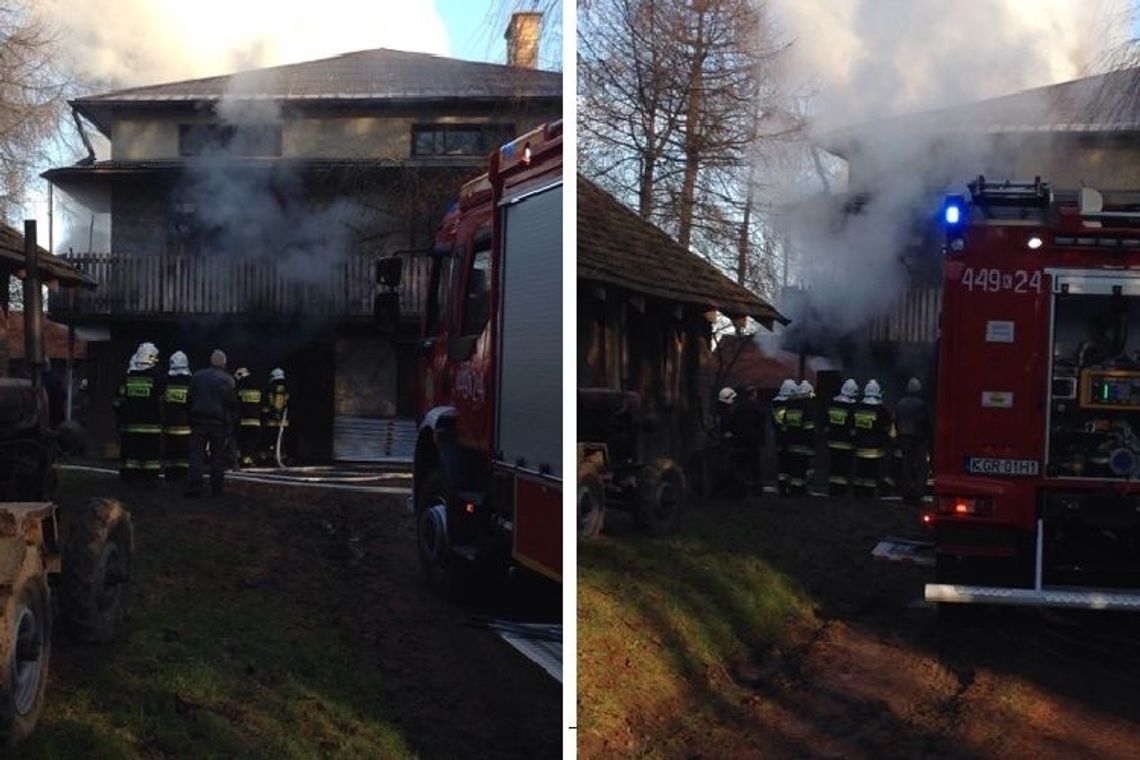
(389, 271)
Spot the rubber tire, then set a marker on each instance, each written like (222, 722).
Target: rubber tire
(659, 495)
(444, 573)
(30, 592)
(97, 546)
(591, 503)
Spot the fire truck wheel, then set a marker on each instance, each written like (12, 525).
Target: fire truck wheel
(659, 495)
(25, 649)
(441, 567)
(591, 503)
(97, 544)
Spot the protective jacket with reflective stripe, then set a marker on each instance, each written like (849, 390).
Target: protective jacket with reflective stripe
(140, 402)
(249, 403)
(841, 425)
(176, 414)
(872, 430)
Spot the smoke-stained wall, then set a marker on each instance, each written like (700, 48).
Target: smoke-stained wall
(366, 377)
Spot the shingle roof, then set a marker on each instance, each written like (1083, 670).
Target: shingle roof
(51, 267)
(617, 246)
(1098, 104)
(365, 76)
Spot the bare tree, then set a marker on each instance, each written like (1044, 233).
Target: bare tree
(678, 102)
(33, 101)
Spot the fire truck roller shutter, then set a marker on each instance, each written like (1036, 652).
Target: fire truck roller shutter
(529, 429)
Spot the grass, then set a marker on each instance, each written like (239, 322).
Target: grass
(664, 626)
(224, 655)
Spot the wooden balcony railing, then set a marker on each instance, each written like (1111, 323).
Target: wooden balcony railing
(913, 319)
(153, 285)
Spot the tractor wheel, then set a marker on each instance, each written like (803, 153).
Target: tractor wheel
(442, 568)
(98, 540)
(659, 494)
(25, 649)
(591, 502)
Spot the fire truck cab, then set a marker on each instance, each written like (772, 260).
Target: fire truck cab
(487, 485)
(1037, 446)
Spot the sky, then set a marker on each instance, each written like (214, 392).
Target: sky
(122, 43)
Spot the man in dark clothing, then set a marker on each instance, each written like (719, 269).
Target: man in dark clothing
(213, 405)
(139, 405)
(747, 439)
(912, 422)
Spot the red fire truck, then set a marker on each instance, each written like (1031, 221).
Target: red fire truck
(1037, 452)
(487, 483)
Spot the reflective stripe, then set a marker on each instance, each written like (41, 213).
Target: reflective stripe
(797, 449)
(176, 394)
(782, 476)
(251, 423)
(275, 423)
(870, 453)
(838, 479)
(864, 482)
(796, 482)
(865, 420)
(845, 445)
(151, 464)
(177, 463)
(138, 387)
(837, 417)
(178, 430)
(141, 428)
(809, 425)
(250, 396)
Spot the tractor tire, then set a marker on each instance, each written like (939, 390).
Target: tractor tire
(660, 491)
(97, 546)
(25, 651)
(443, 570)
(591, 502)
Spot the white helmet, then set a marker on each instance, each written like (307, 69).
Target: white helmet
(872, 393)
(179, 364)
(804, 390)
(726, 395)
(277, 374)
(787, 390)
(849, 392)
(241, 373)
(146, 356)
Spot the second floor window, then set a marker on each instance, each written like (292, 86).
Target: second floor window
(258, 140)
(459, 139)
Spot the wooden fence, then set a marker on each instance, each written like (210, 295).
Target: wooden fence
(137, 285)
(913, 319)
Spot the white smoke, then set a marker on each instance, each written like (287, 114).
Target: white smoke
(127, 43)
(869, 60)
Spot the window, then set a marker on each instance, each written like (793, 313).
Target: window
(250, 140)
(440, 293)
(459, 139)
(477, 298)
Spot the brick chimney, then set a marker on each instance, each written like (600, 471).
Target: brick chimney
(522, 39)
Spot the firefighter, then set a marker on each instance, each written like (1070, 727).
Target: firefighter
(747, 440)
(840, 438)
(249, 417)
(872, 437)
(799, 420)
(275, 413)
(176, 418)
(139, 404)
(912, 422)
(779, 408)
(729, 478)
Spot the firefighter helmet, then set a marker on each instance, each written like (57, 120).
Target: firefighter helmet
(241, 373)
(872, 393)
(179, 363)
(787, 390)
(804, 390)
(849, 393)
(726, 395)
(146, 356)
(277, 374)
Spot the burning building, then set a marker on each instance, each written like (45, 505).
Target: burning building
(875, 288)
(247, 212)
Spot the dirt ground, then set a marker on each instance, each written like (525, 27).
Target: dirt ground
(332, 562)
(874, 672)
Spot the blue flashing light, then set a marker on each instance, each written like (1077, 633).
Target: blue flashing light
(952, 214)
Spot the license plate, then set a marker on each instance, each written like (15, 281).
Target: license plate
(991, 466)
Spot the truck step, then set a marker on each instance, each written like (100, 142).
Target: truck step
(904, 551)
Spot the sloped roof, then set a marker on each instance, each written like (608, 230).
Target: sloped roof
(617, 246)
(51, 267)
(365, 76)
(1106, 103)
